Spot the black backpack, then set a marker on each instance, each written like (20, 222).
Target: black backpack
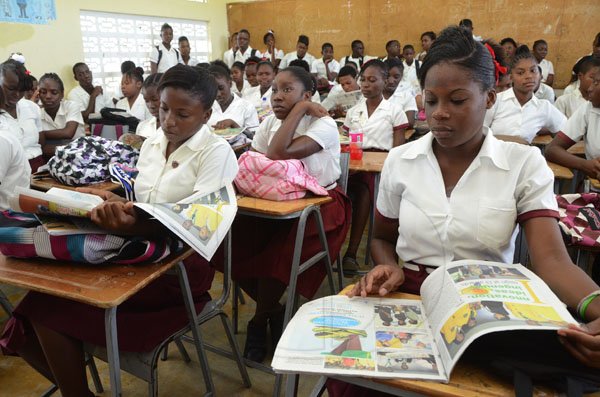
(114, 116)
(252, 53)
(160, 54)
(529, 357)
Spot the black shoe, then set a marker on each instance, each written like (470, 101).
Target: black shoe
(276, 326)
(256, 343)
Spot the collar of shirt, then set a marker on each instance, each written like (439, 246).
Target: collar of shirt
(491, 148)
(62, 111)
(196, 143)
(509, 95)
(162, 47)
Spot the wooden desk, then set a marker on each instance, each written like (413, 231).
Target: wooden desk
(371, 162)
(512, 138)
(561, 174)
(408, 134)
(542, 140)
(104, 286)
(578, 149)
(45, 182)
(595, 183)
(278, 208)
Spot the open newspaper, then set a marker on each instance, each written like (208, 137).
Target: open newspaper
(344, 99)
(398, 338)
(202, 220)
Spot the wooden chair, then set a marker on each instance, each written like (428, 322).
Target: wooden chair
(144, 365)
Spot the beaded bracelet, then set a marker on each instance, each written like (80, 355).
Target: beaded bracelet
(585, 302)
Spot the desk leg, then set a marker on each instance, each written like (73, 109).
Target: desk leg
(556, 186)
(112, 350)
(372, 219)
(193, 317)
(291, 385)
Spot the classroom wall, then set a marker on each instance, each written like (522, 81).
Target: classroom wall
(57, 46)
(569, 27)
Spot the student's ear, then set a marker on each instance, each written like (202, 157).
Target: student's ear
(491, 98)
(580, 76)
(307, 96)
(207, 114)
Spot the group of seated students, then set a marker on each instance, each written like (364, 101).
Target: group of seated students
(456, 193)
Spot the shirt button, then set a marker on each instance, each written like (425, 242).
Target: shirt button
(174, 164)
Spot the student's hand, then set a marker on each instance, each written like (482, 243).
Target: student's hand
(228, 123)
(115, 216)
(337, 112)
(103, 194)
(583, 342)
(382, 279)
(314, 109)
(36, 95)
(592, 168)
(96, 91)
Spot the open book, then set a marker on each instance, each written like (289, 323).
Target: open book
(202, 220)
(398, 338)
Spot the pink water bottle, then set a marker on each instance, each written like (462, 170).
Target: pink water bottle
(356, 144)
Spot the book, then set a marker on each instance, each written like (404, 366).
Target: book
(201, 220)
(229, 134)
(418, 339)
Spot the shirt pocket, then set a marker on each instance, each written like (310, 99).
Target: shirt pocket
(496, 221)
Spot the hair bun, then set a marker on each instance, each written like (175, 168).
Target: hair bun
(522, 50)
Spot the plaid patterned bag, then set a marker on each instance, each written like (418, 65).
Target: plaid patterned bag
(580, 218)
(22, 236)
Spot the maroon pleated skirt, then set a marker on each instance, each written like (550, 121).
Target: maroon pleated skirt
(143, 321)
(263, 248)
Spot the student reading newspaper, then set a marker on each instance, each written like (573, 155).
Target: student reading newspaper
(474, 188)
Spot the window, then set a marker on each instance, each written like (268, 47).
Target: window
(110, 38)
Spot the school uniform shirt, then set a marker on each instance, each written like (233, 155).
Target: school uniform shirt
(239, 56)
(80, 97)
(318, 67)
(584, 124)
(545, 92)
(323, 165)
(267, 55)
(547, 68)
(410, 74)
(29, 119)
(293, 56)
(239, 110)
(574, 86)
(569, 103)
(316, 98)
(507, 117)
(147, 128)
(68, 111)
(139, 109)
(170, 57)
(193, 61)
(237, 92)
(506, 183)
(404, 100)
(228, 57)
(378, 129)
(14, 167)
(204, 163)
(255, 98)
(358, 61)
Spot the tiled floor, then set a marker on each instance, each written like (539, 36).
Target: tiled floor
(176, 378)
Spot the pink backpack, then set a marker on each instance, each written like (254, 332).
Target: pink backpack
(278, 180)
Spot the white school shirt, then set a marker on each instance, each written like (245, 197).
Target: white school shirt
(147, 128)
(170, 57)
(507, 117)
(239, 110)
(545, 92)
(239, 56)
(68, 111)
(506, 183)
(318, 67)
(14, 167)
(30, 121)
(80, 96)
(203, 163)
(228, 57)
(293, 56)
(404, 100)
(193, 61)
(378, 129)
(139, 109)
(410, 74)
(254, 96)
(350, 58)
(574, 86)
(547, 68)
(267, 55)
(569, 103)
(323, 165)
(245, 87)
(585, 124)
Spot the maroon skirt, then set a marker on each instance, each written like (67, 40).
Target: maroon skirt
(263, 248)
(36, 163)
(143, 321)
(363, 178)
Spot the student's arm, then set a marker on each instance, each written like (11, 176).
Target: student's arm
(550, 79)
(62, 133)
(331, 75)
(123, 218)
(91, 107)
(227, 123)
(400, 125)
(399, 137)
(153, 67)
(556, 151)
(283, 146)
(410, 116)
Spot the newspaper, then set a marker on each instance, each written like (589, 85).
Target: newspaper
(417, 339)
(344, 99)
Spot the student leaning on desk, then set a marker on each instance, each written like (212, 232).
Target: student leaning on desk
(460, 193)
(48, 331)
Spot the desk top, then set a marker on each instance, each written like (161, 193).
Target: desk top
(578, 149)
(371, 162)
(595, 183)
(97, 285)
(466, 380)
(46, 182)
(408, 134)
(542, 140)
(281, 208)
(512, 138)
(559, 171)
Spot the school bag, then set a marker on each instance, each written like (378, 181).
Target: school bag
(278, 180)
(532, 358)
(580, 218)
(86, 160)
(114, 116)
(160, 53)
(252, 53)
